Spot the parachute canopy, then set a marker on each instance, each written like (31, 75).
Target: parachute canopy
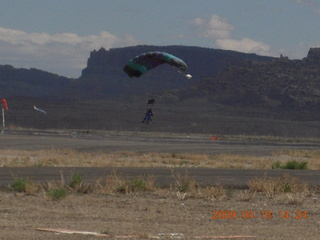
(146, 61)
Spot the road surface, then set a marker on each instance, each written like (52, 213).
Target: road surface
(28, 140)
(143, 142)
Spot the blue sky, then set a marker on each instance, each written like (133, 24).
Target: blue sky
(58, 35)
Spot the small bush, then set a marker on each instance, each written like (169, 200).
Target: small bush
(79, 186)
(19, 185)
(292, 198)
(113, 183)
(76, 180)
(290, 165)
(138, 185)
(134, 185)
(276, 165)
(215, 192)
(278, 185)
(295, 165)
(57, 193)
(185, 184)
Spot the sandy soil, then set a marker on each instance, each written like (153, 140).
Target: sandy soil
(160, 215)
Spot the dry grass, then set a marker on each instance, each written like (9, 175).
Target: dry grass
(286, 189)
(184, 188)
(311, 157)
(74, 158)
(277, 185)
(135, 207)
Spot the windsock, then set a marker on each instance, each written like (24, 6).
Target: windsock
(4, 103)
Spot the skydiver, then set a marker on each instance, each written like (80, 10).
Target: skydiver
(148, 116)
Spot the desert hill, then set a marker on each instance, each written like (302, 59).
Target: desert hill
(230, 93)
(281, 84)
(31, 83)
(105, 76)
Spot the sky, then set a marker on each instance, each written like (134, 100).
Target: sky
(58, 35)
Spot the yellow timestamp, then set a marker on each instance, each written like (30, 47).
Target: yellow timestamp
(247, 214)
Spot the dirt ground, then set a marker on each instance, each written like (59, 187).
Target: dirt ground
(161, 215)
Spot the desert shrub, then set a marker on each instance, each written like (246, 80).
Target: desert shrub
(272, 186)
(295, 165)
(19, 185)
(276, 165)
(246, 195)
(137, 184)
(290, 165)
(76, 180)
(292, 198)
(57, 193)
(114, 183)
(184, 183)
(217, 192)
(79, 186)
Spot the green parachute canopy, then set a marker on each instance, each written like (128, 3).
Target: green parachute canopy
(146, 61)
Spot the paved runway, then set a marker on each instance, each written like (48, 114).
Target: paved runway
(143, 142)
(237, 178)
(148, 143)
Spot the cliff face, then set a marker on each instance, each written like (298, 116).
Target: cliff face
(105, 68)
(104, 76)
(201, 61)
(313, 55)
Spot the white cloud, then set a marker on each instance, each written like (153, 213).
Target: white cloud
(65, 53)
(220, 30)
(215, 27)
(244, 45)
(198, 21)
